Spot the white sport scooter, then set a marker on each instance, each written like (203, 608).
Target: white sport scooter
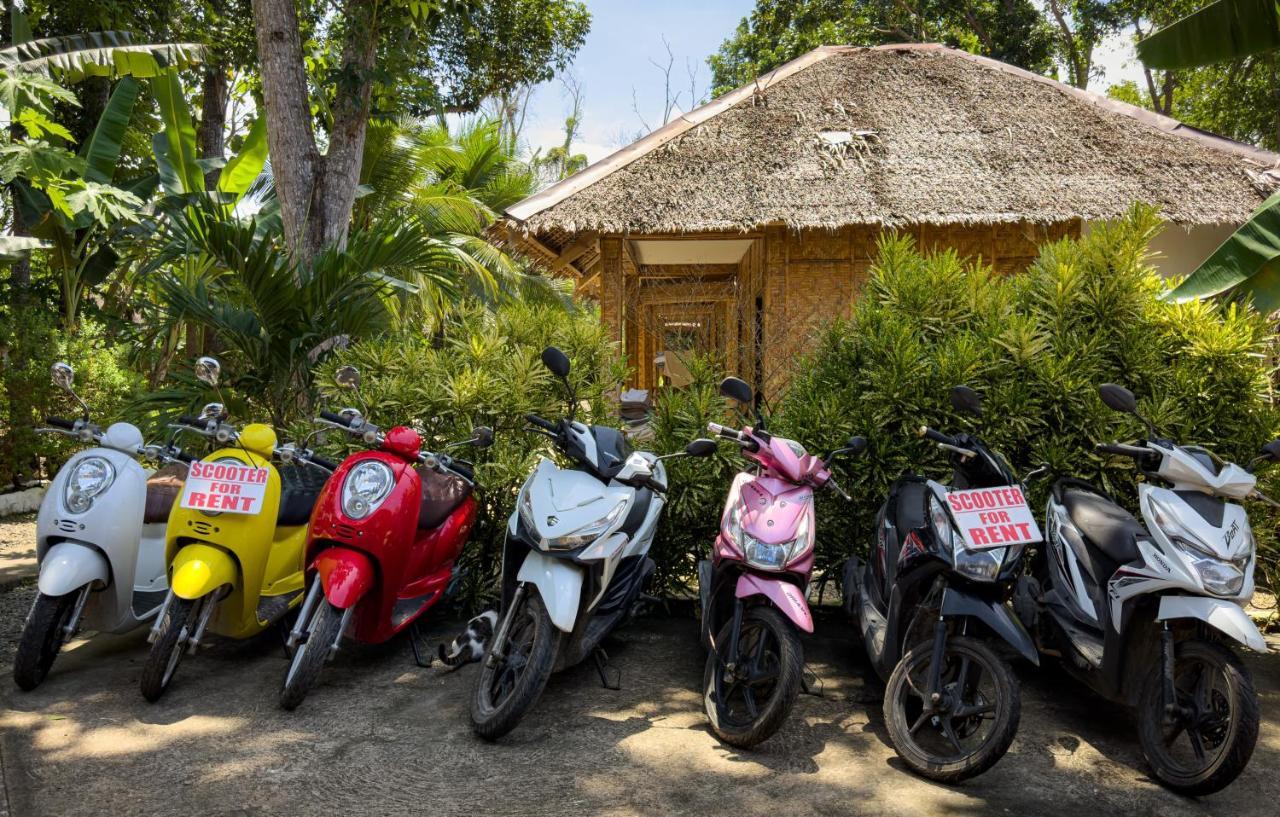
(575, 561)
(1143, 612)
(99, 538)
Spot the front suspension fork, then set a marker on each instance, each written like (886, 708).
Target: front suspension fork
(497, 652)
(73, 623)
(1166, 665)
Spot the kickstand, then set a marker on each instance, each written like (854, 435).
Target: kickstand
(602, 666)
(809, 680)
(413, 642)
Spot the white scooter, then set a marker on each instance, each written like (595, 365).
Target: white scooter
(100, 539)
(575, 562)
(1143, 613)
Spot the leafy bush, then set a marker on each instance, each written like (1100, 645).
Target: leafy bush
(483, 368)
(31, 342)
(1036, 345)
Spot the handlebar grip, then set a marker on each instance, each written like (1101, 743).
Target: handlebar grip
(190, 420)
(324, 463)
(183, 456)
(1121, 449)
(61, 422)
(936, 436)
(335, 418)
(464, 469)
(539, 422)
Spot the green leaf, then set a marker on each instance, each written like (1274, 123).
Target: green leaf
(102, 151)
(97, 54)
(1223, 31)
(19, 25)
(100, 265)
(246, 165)
(37, 125)
(17, 247)
(1243, 254)
(179, 136)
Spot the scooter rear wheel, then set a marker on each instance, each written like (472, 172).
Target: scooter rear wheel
(178, 625)
(42, 638)
(747, 706)
(972, 725)
(509, 688)
(1208, 741)
(310, 656)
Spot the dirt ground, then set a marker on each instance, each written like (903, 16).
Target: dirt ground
(381, 736)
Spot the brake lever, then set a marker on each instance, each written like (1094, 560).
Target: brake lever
(1263, 497)
(963, 452)
(836, 487)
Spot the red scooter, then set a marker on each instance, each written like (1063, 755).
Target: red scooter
(384, 541)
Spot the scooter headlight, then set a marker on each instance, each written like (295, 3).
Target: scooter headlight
(775, 557)
(365, 487)
(1222, 577)
(587, 533)
(91, 477)
(979, 565)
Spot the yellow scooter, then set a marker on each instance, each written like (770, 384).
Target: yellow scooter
(234, 541)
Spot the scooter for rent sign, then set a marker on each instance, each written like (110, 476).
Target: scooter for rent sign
(226, 487)
(994, 517)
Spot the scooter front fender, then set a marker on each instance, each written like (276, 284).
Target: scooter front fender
(559, 582)
(68, 566)
(1223, 616)
(345, 575)
(993, 614)
(782, 594)
(199, 569)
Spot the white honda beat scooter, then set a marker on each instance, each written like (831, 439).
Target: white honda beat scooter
(1144, 612)
(100, 538)
(575, 563)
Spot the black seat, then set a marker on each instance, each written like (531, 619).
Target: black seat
(441, 494)
(1105, 525)
(639, 510)
(299, 489)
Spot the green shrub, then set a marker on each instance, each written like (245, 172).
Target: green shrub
(484, 369)
(31, 343)
(1037, 346)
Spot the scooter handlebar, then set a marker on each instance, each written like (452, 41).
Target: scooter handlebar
(936, 436)
(1120, 449)
(336, 419)
(61, 422)
(327, 464)
(535, 420)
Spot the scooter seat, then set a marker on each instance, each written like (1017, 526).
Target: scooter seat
(1106, 526)
(299, 489)
(441, 494)
(163, 489)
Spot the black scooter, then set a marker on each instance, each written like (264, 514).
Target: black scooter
(927, 604)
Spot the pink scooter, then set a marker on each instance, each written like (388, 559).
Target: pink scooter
(754, 589)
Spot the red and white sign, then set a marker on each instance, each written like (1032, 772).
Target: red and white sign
(994, 517)
(225, 487)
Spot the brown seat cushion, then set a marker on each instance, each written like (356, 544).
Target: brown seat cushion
(163, 489)
(441, 493)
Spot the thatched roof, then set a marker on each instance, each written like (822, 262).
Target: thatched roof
(898, 135)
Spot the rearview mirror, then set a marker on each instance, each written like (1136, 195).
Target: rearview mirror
(348, 377)
(1118, 398)
(967, 400)
(212, 411)
(1272, 451)
(557, 361)
(736, 389)
(207, 370)
(701, 447)
(482, 437)
(855, 445)
(63, 376)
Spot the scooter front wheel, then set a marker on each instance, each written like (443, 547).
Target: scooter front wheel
(177, 626)
(969, 726)
(508, 687)
(750, 701)
(310, 656)
(43, 636)
(1205, 739)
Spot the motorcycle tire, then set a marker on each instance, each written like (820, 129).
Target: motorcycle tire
(762, 627)
(504, 693)
(170, 645)
(311, 655)
(42, 638)
(1231, 739)
(909, 679)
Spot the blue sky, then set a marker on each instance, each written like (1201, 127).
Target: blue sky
(615, 60)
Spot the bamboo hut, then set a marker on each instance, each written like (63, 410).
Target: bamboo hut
(744, 225)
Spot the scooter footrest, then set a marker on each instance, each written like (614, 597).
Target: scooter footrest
(273, 608)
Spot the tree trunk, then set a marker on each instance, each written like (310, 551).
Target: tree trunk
(295, 161)
(213, 117)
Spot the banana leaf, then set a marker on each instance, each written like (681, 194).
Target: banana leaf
(1243, 262)
(17, 247)
(245, 166)
(175, 146)
(102, 151)
(1222, 31)
(97, 53)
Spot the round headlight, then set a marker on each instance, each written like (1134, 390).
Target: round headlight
(365, 487)
(91, 477)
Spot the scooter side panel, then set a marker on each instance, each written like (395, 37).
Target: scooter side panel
(1224, 616)
(113, 525)
(784, 595)
(559, 582)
